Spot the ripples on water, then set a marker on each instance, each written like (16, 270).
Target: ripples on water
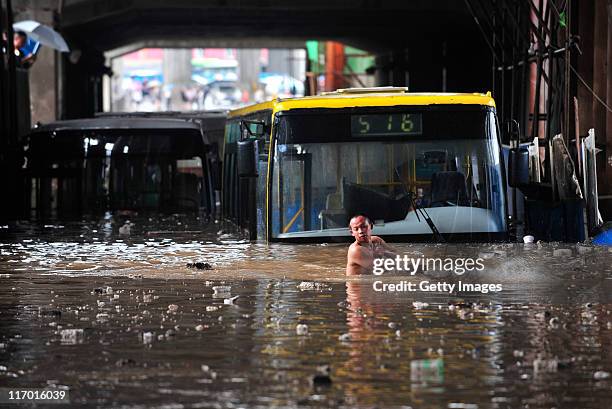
(161, 337)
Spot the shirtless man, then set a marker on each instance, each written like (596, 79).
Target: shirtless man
(361, 254)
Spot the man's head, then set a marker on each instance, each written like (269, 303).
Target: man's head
(19, 39)
(361, 228)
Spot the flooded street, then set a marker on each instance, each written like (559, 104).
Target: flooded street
(121, 321)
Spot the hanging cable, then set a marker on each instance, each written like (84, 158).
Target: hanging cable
(590, 89)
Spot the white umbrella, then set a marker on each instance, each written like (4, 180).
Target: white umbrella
(43, 34)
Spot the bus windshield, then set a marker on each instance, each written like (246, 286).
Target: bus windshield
(329, 167)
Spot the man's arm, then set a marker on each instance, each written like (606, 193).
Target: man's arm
(383, 249)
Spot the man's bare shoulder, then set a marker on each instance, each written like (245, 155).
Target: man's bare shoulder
(377, 240)
(356, 249)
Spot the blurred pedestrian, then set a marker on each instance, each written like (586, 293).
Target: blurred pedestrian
(22, 60)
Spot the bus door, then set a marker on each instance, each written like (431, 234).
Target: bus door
(295, 202)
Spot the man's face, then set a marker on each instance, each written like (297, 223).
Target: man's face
(18, 41)
(361, 229)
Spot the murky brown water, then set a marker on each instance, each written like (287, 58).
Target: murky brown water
(163, 337)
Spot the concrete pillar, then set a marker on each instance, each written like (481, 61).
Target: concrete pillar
(279, 60)
(392, 69)
(287, 61)
(400, 75)
(382, 77)
(119, 100)
(42, 73)
(248, 69)
(177, 73)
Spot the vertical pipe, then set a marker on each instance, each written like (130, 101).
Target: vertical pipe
(12, 76)
(334, 66)
(585, 64)
(3, 93)
(600, 48)
(503, 68)
(568, 56)
(608, 153)
(494, 43)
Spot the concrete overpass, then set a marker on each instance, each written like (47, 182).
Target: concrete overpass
(418, 37)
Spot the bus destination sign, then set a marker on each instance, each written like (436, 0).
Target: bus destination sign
(392, 124)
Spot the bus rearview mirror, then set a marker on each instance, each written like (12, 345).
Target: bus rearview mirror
(250, 128)
(518, 167)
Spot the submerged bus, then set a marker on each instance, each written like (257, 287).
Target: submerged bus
(297, 170)
(118, 164)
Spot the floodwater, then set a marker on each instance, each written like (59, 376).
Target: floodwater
(120, 321)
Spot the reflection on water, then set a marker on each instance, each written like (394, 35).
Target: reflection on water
(121, 321)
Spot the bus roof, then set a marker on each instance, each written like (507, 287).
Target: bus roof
(110, 123)
(366, 97)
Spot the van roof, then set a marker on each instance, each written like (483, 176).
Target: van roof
(365, 97)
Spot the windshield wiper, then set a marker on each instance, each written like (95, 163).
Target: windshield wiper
(425, 215)
(436, 233)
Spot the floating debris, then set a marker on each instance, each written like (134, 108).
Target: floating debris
(345, 337)
(49, 313)
(102, 317)
(310, 286)
(147, 337)
(344, 304)
(230, 301)
(301, 329)
(125, 362)
(211, 308)
(221, 289)
(427, 370)
(582, 249)
(126, 229)
(419, 305)
(600, 375)
(545, 365)
(461, 405)
(306, 285)
(173, 308)
(71, 336)
(199, 265)
(322, 378)
(199, 327)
